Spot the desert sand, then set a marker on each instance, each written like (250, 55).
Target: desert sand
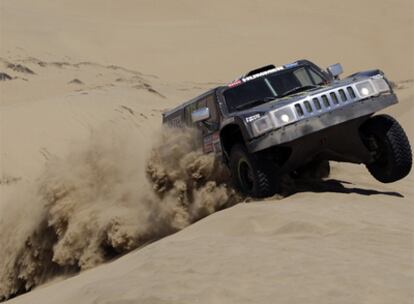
(80, 115)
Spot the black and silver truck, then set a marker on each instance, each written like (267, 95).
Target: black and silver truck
(294, 119)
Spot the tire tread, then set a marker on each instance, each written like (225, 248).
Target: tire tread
(265, 181)
(399, 146)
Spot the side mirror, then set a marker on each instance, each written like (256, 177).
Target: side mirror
(200, 114)
(335, 70)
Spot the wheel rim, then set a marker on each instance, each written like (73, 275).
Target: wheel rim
(245, 175)
(380, 149)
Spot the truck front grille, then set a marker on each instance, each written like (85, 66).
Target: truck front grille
(325, 102)
(319, 103)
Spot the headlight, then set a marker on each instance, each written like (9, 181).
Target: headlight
(365, 89)
(284, 116)
(380, 85)
(262, 125)
(275, 119)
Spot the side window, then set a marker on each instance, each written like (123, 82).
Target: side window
(211, 123)
(202, 103)
(188, 110)
(212, 106)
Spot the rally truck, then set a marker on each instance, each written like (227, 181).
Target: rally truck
(295, 118)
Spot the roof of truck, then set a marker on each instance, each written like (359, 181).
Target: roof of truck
(253, 74)
(195, 99)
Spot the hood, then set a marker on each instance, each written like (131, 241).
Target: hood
(280, 102)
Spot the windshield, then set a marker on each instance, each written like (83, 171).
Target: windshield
(272, 86)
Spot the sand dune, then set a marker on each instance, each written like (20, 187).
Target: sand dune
(82, 88)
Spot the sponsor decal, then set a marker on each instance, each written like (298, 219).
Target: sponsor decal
(208, 144)
(216, 143)
(251, 77)
(216, 136)
(211, 143)
(252, 118)
(234, 83)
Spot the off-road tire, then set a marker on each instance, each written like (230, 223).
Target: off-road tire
(313, 170)
(387, 141)
(261, 181)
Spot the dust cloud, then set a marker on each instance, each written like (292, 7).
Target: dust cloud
(110, 195)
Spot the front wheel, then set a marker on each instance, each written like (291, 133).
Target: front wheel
(389, 145)
(252, 174)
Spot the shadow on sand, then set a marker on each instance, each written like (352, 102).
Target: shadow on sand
(337, 186)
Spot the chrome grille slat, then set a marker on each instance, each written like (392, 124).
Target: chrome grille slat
(321, 103)
(334, 98)
(325, 101)
(330, 100)
(350, 89)
(343, 96)
(348, 96)
(317, 104)
(308, 106)
(299, 109)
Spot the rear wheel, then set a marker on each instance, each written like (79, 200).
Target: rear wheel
(253, 175)
(389, 145)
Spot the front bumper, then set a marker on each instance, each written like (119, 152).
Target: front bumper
(325, 120)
